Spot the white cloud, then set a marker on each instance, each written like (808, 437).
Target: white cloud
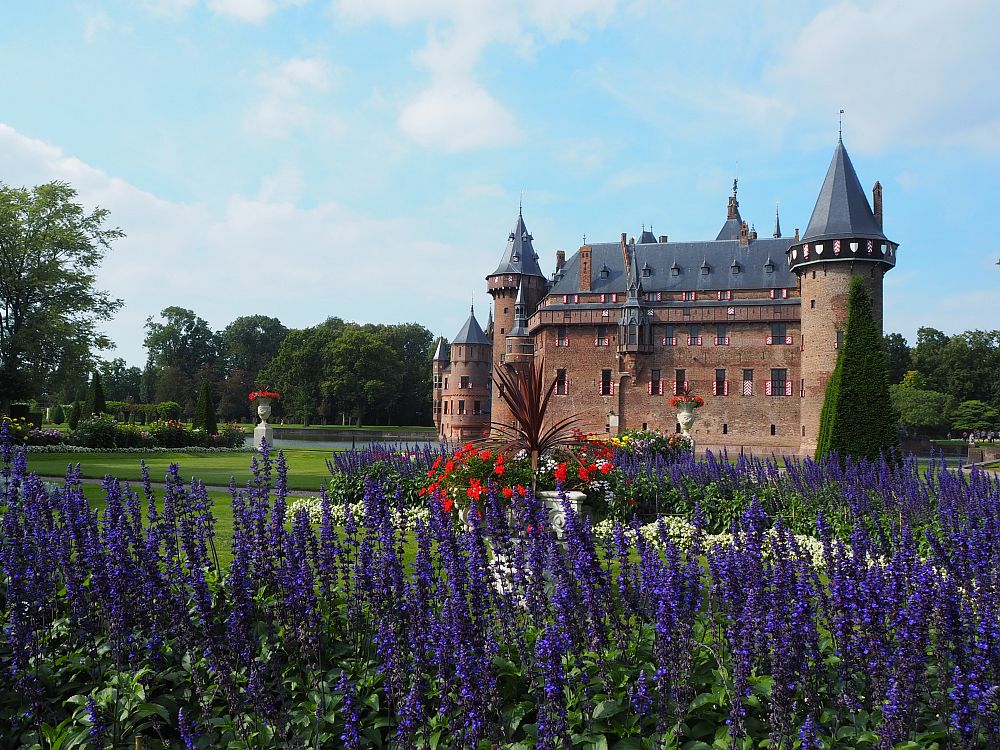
(455, 112)
(95, 24)
(250, 255)
(251, 11)
(286, 104)
(910, 71)
(458, 116)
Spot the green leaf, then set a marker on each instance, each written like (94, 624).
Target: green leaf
(605, 709)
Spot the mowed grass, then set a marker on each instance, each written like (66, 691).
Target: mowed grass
(307, 469)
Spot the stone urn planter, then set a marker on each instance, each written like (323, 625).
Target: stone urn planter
(554, 505)
(686, 417)
(263, 431)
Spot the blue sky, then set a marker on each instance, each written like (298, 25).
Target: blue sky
(365, 158)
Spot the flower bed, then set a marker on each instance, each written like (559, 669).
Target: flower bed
(453, 635)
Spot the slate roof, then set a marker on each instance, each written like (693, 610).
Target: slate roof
(520, 314)
(646, 238)
(471, 332)
(842, 208)
(519, 256)
(688, 258)
(731, 229)
(441, 352)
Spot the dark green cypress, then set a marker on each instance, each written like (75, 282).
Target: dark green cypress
(74, 414)
(857, 417)
(95, 403)
(204, 411)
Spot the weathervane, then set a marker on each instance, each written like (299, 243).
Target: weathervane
(840, 126)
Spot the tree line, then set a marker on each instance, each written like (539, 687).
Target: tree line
(945, 383)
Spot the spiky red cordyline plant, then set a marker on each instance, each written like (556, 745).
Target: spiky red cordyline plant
(523, 389)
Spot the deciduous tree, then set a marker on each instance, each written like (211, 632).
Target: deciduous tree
(50, 249)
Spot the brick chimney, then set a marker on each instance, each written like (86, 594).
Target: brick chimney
(663, 239)
(560, 260)
(877, 202)
(585, 253)
(796, 234)
(744, 234)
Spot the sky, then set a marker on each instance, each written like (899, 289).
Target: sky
(366, 158)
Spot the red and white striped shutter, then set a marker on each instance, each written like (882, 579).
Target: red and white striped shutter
(715, 387)
(612, 391)
(685, 386)
(649, 387)
(767, 387)
(784, 294)
(802, 389)
(771, 294)
(675, 387)
(747, 387)
(788, 387)
(725, 387)
(659, 389)
(769, 340)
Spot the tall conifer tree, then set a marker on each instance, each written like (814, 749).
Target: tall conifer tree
(858, 418)
(95, 403)
(204, 411)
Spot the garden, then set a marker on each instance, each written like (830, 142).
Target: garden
(695, 604)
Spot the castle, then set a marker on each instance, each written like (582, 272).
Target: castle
(750, 324)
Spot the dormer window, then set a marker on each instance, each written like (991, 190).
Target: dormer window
(647, 271)
(769, 266)
(735, 268)
(705, 268)
(605, 272)
(675, 270)
(515, 258)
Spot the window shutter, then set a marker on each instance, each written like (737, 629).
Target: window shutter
(725, 387)
(788, 387)
(767, 387)
(660, 389)
(649, 387)
(747, 387)
(715, 387)
(611, 391)
(784, 294)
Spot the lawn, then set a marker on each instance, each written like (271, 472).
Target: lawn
(306, 468)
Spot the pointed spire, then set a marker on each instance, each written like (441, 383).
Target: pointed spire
(842, 208)
(519, 256)
(441, 352)
(520, 327)
(731, 229)
(777, 223)
(471, 332)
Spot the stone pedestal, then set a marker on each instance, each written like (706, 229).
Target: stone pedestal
(554, 505)
(263, 431)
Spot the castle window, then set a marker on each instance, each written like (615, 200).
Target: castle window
(461, 406)
(721, 386)
(464, 382)
(812, 304)
(694, 339)
(675, 270)
(562, 385)
(725, 295)
(773, 429)
(725, 428)
(647, 271)
(655, 383)
(601, 339)
(779, 335)
(680, 381)
(705, 269)
(477, 407)
(506, 310)
(779, 294)
(779, 384)
(748, 382)
(721, 336)
(446, 383)
(840, 340)
(677, 427)
(605, 272)
(735, 268)
(607, 386)
(669, 339)
(688, 296)
(769, 266)
(561, 338)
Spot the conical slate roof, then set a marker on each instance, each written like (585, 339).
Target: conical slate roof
(441, 352)
(519, 255)
(842, 209)
(520, 314)
(471, 332)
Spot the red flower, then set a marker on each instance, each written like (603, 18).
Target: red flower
(606, 468)
(507, 492)
(560, 472)
(449, 466)
(584, 476)
(475, 489)
(430, 472)
(447, 504)
(437, 463)
(485, 455)
(498, 469)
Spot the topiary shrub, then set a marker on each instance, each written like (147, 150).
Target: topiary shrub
(58, 414)
(204, 411)
(74, 415)
(98, 431)
(95, 403)
(858, 418)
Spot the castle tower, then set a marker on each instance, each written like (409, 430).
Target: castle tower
(518, 271)
(844, 239)
(440, 365)
(519, 348)
(465, 386)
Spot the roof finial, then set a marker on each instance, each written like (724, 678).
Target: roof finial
(520, 204)
(472, 307)
(840, 127)
(777, 223)
(584, 239)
